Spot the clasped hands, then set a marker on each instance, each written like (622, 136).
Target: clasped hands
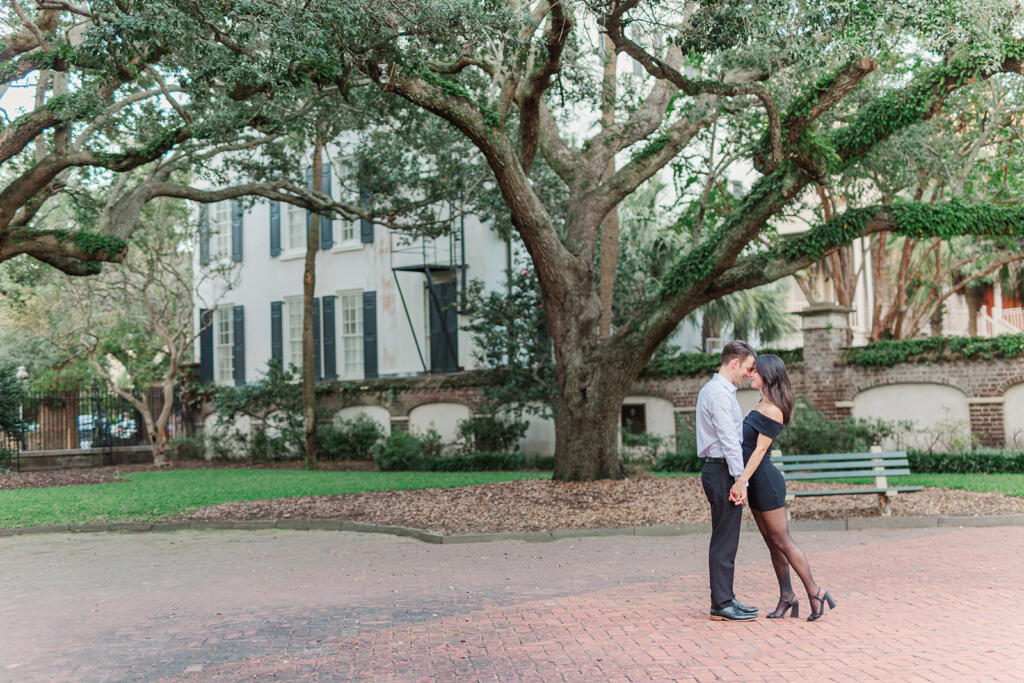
(738, 492)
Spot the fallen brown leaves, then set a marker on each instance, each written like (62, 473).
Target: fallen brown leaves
(541, 505)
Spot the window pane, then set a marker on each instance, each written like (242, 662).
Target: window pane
(351, 311)
(296, 228)
(295, 332)
(224, 359)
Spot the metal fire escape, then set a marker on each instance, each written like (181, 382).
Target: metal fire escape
(442, 261)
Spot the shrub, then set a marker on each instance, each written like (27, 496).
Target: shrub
(185, 448)
(490, 433)
(684, 457)
(641, 448)
(12, 395)
(406, 450)
(273, 406)
(678, 461)
(980, 461)
(541, 462)
(810, 432)
(484, 461)
(352, 439)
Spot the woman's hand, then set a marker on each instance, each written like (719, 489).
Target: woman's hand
(738, 492)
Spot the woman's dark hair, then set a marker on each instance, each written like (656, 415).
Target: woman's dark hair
(776, 383)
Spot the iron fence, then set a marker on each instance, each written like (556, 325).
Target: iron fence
(97, 418)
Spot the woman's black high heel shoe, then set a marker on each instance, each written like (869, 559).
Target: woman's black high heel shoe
(822, 599)
(784, 606)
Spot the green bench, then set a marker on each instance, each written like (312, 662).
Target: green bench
(846, 466)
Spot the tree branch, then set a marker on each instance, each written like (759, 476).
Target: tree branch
(909, 219)
(559, 26)
(612, 22)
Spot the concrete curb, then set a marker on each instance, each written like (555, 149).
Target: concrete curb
(848, 524)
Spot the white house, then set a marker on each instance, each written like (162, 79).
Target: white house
(386, 303)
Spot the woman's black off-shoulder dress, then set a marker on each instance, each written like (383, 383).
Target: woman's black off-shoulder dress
(766, 489)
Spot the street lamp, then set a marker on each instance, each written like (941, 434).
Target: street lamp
(21, 374)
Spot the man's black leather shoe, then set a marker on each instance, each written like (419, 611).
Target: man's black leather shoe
(743, 608)
(731, 613)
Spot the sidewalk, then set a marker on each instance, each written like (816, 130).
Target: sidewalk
(914, 604)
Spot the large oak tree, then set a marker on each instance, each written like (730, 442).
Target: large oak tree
(521, 89)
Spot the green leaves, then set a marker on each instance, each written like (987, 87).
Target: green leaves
(912, 219)
(888, 353)
(697, 364)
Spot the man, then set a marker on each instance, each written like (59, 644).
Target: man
(719, 432)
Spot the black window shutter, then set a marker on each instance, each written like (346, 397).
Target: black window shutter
(365, 225)
(370, 334)
(205, 345)
(236, 230)
(277, 331)
(330, 350)
(316, 338)
(238, 353)
(275, 229)
(204, 236)
(326, 227)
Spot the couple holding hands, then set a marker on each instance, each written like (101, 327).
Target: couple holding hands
(738, 469)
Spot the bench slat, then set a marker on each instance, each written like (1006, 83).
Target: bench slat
(847, 492)
(793, 467)
(847, 474)
(787, 458)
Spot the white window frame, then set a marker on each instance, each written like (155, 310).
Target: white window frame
(292, 345)
(224, 345)
(220, 231)
(345, 233)
(349, 334)
(295, 227)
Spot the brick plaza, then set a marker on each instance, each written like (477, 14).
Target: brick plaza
(914, 605)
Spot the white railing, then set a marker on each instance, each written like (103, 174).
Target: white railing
(1010, 322)
(991, 327)
(1015, 318)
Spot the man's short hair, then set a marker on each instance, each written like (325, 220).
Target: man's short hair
(737, 348)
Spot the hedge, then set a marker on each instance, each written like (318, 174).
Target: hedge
(890, 352)
(980, 461)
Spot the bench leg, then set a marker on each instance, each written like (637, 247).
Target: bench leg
(884, 505)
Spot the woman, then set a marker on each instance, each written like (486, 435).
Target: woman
(767, 489)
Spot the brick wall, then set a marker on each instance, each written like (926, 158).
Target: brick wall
(823, 378)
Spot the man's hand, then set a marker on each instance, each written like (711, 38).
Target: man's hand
(738, 493)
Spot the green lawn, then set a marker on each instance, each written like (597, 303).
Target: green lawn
(1010, 484)
(155, 495)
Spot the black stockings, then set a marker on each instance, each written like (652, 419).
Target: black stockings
(785, 553)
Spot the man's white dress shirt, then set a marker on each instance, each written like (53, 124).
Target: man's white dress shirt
(720, 424)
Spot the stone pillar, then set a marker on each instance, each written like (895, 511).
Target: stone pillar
(825, 328)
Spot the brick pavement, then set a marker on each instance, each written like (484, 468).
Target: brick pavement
(914, 605)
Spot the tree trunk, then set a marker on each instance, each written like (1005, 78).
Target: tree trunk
(610, 225)
(935, 322)
(159, 439)
(308, 288)
(587, 423)
(974, 302)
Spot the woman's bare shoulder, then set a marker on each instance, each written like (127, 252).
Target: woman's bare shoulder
(771, 410)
